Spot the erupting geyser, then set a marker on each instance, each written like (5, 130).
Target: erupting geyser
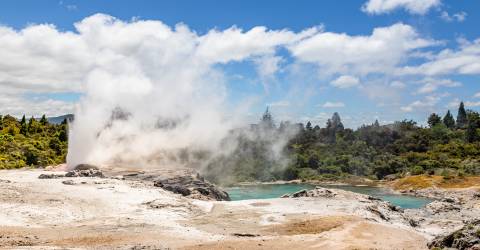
(154, 94)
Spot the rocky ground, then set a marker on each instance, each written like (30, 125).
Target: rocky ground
(129, 209)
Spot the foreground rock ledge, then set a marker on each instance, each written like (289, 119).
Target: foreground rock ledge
(131, 213)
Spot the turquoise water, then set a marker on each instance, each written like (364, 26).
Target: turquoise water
(267, 191)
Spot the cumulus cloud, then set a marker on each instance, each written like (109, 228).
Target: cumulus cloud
(465, 60)
(333, 105)
(432, 84)
(419, 7)
(427, 104)
(457, 17)
(379, 52)
(28, 106)
(345, 82)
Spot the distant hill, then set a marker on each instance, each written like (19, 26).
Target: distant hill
(59, 119)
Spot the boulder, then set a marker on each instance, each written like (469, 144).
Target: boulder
(85, 173)
(317, 192)
(468, 237)
(193, 186)
(50, 176)
(84, 166)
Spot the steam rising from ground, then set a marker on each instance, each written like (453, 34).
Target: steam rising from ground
(153, 96)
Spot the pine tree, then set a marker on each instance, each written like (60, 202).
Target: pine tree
(433, 120)
(473, 125)
(267, 120)
(309, 126)
(1, 122)
(23, 126)
(337, 122)
(43, 120)
(461, 116)
(448, 120)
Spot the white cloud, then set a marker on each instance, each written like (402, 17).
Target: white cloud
(458, 17)
(345, 81)
(453, 103)
(428, 103)
(333, 105)
(267, 66)
(379, 52)
(18, 106)
(43, 59)
(477, 95)
(432, 84)
(472, 104)
(419, 7)
(279, 104)
(465, 60)
(397, 85)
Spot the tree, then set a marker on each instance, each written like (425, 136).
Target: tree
(461, 116)
(433, 120)
(267, 120)
(473, 124)
(309, 126)
(336, 122)
(43, 120)
(448, 120)
(23, 126)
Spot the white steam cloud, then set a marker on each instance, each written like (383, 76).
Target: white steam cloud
(154, 90)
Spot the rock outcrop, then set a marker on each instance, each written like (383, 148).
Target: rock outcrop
(193, 186)
(468, 237)
(317, 192)
(81, 170)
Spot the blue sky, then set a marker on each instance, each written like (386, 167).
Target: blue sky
(445, 32)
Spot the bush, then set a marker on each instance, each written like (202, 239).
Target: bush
(418, 170)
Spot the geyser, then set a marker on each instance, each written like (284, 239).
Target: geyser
(153, 94)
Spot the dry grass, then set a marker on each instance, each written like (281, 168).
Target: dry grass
(426, 181)
(311, 226)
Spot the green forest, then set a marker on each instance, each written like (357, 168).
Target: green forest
(448, 146)
(32, 142)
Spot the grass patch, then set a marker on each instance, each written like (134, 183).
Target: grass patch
(426, 181)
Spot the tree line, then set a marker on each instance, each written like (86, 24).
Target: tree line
(448, 147)
(32, 143)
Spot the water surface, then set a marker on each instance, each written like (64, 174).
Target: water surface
(268, 191)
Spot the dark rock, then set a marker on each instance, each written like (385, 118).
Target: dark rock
(376, 211)
(394, 208)
(178, 189)
(193, 187)
(373, 198)
(50, 176)
(317, 192)
(301, 193)
(245, 235)
(468, 237)
(68, 182)
(476, 195)
(85, 173)
(413, 223)
(85, 167)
